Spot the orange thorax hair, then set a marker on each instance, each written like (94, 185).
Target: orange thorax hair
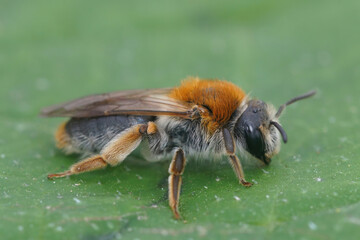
(222, 98)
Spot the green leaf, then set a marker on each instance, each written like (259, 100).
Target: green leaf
(54, 51)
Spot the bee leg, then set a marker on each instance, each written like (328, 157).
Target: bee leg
(89, 164)
(114, 152)
(234, 160)
(176, 169)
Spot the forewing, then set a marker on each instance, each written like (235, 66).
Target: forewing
(133, 102)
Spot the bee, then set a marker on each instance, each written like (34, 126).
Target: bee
(200, 117)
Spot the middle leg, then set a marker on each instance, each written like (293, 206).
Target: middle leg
(176, 169)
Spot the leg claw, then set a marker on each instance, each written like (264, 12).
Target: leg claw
(176, 215)
(245, 183)
(59, 175)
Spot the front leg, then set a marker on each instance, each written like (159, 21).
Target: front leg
(234, 160)
(176, 169)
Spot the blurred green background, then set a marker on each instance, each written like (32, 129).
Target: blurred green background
(53, 51)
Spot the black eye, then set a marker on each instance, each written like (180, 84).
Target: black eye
(247, 129)
(254, 141)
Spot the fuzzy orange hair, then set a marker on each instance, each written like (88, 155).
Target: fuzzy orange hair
(222, 98)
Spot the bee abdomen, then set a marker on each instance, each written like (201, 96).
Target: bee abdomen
(92, 134)
(62, 138)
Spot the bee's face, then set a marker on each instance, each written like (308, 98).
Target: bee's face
(255, 132)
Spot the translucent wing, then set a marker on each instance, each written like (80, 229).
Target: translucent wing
(133, 102)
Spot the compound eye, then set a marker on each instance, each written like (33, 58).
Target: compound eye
(254, 141)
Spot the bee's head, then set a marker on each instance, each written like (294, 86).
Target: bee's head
(257, 133)
(258, 129)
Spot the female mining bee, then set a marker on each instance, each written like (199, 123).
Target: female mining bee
(199, 117)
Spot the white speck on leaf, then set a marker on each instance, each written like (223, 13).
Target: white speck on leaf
(118, 236)
(20, 228)
(139, 177)
(42, 84)
(332, 120)
(353, 109)
(77, 200)
(217, 179)
(312, 226)
(343, 139)
(6, 195)
(94, 226)
(218, 199)
(20, 213)
(237, 198)
(254, 181)
(2, 156)
(118, 195)
(284, 200)
(202, 231)
(20, 127)
(99, 183)
(318, 179)
(267, 196)
(142, 218)
(297, 158)
(59, 228)
(205, 187)
(266, 172)
(354, 220)
(110, 225)
(317, 149)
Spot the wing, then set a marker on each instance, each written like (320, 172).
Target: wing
(133, 102)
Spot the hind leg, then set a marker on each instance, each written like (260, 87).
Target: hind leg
(114, 152)
(86, 165)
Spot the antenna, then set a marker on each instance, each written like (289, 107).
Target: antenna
(281, 130)
(295, 99)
